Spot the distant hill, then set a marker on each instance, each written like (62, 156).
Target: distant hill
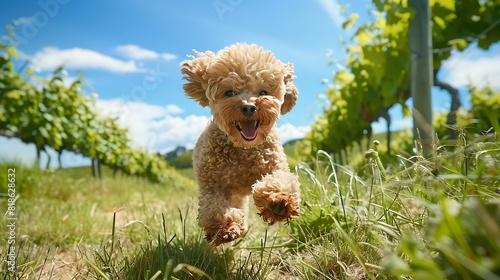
(181, 158)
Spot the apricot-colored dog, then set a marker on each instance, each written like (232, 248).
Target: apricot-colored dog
(239, 152)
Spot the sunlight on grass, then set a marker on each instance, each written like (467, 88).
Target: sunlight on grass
(436, 218)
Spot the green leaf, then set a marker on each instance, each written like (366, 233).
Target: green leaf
(29, 72)
(12, 51)
(354, 49)
(48, 117)
(14, 95)
(44, 132)
(363, 37)
(447, 4)
(396, 265)
(439, 22)
(343, 78)
(352, 19)
(406, 111)
(459, 44)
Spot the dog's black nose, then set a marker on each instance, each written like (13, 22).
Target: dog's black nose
(248, 109)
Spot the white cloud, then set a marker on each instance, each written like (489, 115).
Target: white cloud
(171, 131)
(138, 53)
(138, 110)
(464, 68)
(157, 128)
(168, 56)
(334, 10)
(174, 109)
(24, 21)
(50, 58)
(289, 132)
(154, 127)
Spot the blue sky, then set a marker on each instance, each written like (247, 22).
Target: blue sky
(130, 51)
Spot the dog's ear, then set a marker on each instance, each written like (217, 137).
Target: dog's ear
(291, 93)
(194, 71)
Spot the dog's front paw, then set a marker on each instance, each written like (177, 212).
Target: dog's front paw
(278, 207)
(277, 197)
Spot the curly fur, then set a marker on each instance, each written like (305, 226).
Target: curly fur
(229, 164)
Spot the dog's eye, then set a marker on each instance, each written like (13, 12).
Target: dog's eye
(229, 93)
(263, 92)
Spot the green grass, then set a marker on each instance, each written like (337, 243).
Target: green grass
(435, 218)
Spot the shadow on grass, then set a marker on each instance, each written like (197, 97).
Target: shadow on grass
(182, 258)
(182, 255)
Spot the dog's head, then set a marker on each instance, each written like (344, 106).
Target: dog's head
(246, 88)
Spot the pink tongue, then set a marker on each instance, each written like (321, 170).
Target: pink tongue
(248, 129)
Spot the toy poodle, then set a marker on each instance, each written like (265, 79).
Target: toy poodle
(239, 153)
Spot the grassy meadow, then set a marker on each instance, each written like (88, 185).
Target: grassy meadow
(434, 217)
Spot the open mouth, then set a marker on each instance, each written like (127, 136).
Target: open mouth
(248, 129)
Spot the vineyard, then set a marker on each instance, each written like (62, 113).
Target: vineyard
(372, 207)
(50, 114)
(376, 74)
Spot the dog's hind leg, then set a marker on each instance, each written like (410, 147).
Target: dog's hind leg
(222, 219)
